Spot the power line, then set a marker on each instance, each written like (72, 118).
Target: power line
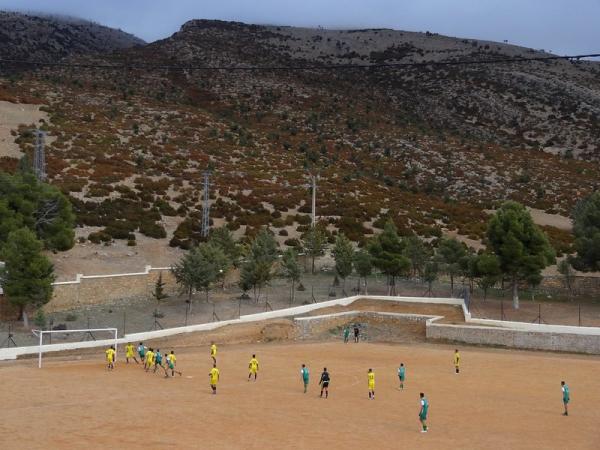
(124, 67)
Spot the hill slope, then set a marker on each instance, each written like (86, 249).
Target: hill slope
(432, 148)
(48, 38)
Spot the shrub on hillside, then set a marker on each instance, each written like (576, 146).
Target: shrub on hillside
(292, 242)
(153, 230)
(99, 236)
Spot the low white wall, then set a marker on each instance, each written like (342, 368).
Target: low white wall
(537, 327)
(492, 332)
(13, 353)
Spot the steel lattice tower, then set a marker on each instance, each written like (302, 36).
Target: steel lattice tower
(206, 205)
(39, 157)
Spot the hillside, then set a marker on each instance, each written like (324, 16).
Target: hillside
(49, 38)
(432, 148)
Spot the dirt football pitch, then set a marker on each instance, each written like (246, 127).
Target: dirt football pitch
(501, 400)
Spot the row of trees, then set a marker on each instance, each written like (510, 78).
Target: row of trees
(517, 252)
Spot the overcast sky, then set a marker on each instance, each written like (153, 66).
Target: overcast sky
(562, 26)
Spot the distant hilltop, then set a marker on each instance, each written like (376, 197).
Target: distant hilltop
(43, 37)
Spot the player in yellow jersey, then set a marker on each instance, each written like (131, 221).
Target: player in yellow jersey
(213, 352)
(371, 378)
(149, 359)
(130, 353)
(214, 378)
(110, 357)
(171, 363)
(253, 368)
(456, 361)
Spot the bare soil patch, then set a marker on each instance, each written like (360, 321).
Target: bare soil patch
(79, 404)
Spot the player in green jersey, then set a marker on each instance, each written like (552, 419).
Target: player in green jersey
(423, 412)
(305, 376)
(401, 375)
(566, 396)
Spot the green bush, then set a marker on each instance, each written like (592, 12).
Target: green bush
(303, 219)
(153, 230)
(99, 236)
(40, 318)
(165, 208)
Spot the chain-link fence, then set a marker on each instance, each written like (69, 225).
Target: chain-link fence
(549, 304)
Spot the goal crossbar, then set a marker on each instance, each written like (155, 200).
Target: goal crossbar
(113, 340)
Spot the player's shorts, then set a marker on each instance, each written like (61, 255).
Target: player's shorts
(325, 384)
(171, 366)
(129, 355)
(142, 355)
(566, 400)
(423, 416)
(305, 380)
(110, 360)
(253, 371)
(213, 382)
(371, 386)
(401, 377)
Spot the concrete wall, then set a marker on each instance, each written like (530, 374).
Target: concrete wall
(515, 338)
(309, 324)
(101, 289)
(13, 353)
(482, 332)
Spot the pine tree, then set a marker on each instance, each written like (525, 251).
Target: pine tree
(290, 269)
(343, 253)
(387, 252)
(256, 271)
(27, 275)
(314, 243)
(450, 254)
(158, 293)
(363, 264)
(521, 246)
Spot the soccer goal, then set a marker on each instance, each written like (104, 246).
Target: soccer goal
(57, 340)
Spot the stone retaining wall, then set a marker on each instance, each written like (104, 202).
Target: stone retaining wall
(515, 338)
(308, 325)
(101, 289)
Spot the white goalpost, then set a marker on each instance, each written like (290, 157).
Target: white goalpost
(86, 334)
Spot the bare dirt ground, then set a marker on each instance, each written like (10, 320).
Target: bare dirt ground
(97, 259)
(554, 220)
(555, 313)
(11, 116)
(451, 314)
(502, 399)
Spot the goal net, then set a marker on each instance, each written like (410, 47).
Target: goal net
(61, 340)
